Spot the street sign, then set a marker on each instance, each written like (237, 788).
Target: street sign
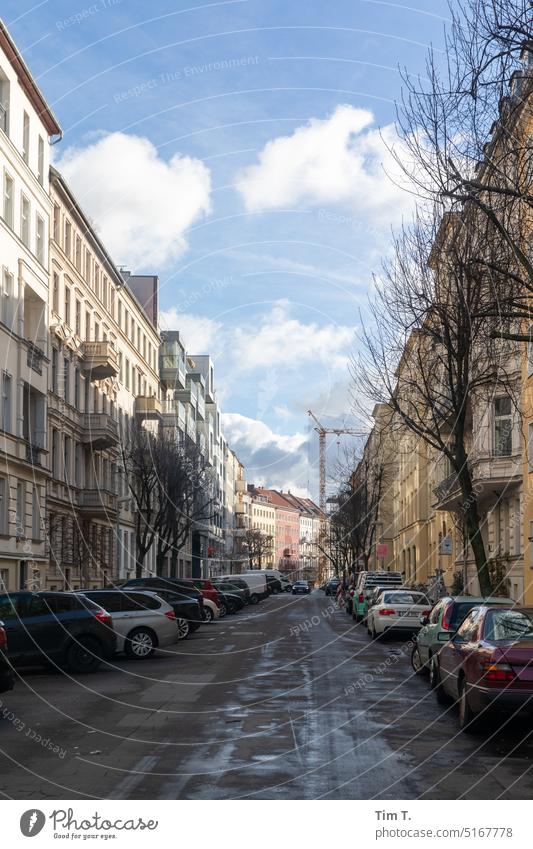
(382, 549)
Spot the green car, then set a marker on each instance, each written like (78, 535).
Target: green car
(441, 625)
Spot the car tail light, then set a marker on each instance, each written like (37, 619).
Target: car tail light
(361, 598)
(386, 611)
(3, 638)
(446, 619)
(170, 614)
(103, 616)
(499, 672)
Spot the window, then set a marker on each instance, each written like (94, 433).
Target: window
(7, 298)
(3, 505)
(40, 160)
(97, 280)
(26, 137)
(66, 390)
(468, 629)
(39, 239)
(68, 238)
(78, 253)
(57, 223)
(96, 331)
(6, 402)
(77, 323)
(8, 200)
(78, 467)
(67, 304)
(120, 314)
(503, 427)
(35, 515)
(66, 459)
(55, 453)
(25, 219)
(4, 103)
(55, 292)
(20, 518)
(87, 326)
(77, 388)
(54, 369)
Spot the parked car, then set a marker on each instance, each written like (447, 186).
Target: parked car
(397, 610)
(273, 584)
(237, 582)
(187, 610)
(7, 678)
(211, 611)
(206, 588)
(256, 584)
(332, 586)
(300, 587)
(230, 598)
(442, 623)
(285, 582)
(179, 585)
(365, 585)
(57, 628)
(487, 665)
(374, 597)
(143, 620)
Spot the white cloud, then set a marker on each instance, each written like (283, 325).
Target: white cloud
(201, 335)
(140, 203)
(341, 159)
(273, 459)
(281, 340)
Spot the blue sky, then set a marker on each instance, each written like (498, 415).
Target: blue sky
(234, 149)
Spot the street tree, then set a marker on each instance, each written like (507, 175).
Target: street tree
(258, 545)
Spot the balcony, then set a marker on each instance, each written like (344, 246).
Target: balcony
(240, 487)
(148, 407)
(97, 502)
(240, 508)
(100, 359)
(492, 476)
(99, 431)
(35, 357)
(172, 370)
(34, 454)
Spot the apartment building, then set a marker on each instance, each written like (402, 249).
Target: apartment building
(104, 372)
(263, 518)
(27, 129)
(237, 514)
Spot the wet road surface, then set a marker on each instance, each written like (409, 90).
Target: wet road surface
(289, 699)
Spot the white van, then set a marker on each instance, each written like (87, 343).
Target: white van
(286, 583)
(256, 581)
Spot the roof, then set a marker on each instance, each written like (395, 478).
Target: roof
(28, 83)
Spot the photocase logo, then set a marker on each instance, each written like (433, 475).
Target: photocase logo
(32, 822)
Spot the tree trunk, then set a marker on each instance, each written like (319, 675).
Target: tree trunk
(173, 562)
(160, 564)
(473, 528)
(139, 563)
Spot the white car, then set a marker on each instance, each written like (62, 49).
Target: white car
(397, 610)
(143, 621)
(211, 611)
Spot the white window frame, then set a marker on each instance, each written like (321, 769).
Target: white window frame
(25, 222)
(8, 207)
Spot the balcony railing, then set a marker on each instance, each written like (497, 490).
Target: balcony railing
(148, 407)
(97, 502)
(34, 454)
(100, 358)
(100, 430)
(35, 357)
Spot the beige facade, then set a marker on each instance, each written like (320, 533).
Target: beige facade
(104, 371)
(263, 518)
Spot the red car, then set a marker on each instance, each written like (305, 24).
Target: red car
(206, 588)
(487, 665)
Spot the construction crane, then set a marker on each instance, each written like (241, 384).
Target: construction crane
(322, 433)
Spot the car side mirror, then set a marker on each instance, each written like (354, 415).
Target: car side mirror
(457, 638)
(424, 620)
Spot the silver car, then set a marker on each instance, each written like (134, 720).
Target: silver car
(143, 621)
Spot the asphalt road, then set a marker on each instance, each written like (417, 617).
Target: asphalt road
(289, 699)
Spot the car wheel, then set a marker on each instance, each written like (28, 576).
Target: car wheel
(222, 610)
(84, 655)
(469, 722)
(374, 633)
(435, 681)
(417, 663)
(183, 629)
(232, 608)
(208, 614)
(254, 598)
(140, 643)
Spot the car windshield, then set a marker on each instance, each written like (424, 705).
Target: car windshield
(509, 625)
(460, 611)
(405, 598)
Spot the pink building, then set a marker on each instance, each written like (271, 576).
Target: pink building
(287, 544)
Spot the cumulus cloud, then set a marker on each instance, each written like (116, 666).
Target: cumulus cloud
(277, 460)
(201, 335)
(282, 340)
(341, 159)
(142, 204)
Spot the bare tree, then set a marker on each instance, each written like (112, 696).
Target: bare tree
(258, 545)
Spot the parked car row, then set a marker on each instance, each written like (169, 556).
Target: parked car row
(77, 630)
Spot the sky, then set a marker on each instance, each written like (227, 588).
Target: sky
(241, 151)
